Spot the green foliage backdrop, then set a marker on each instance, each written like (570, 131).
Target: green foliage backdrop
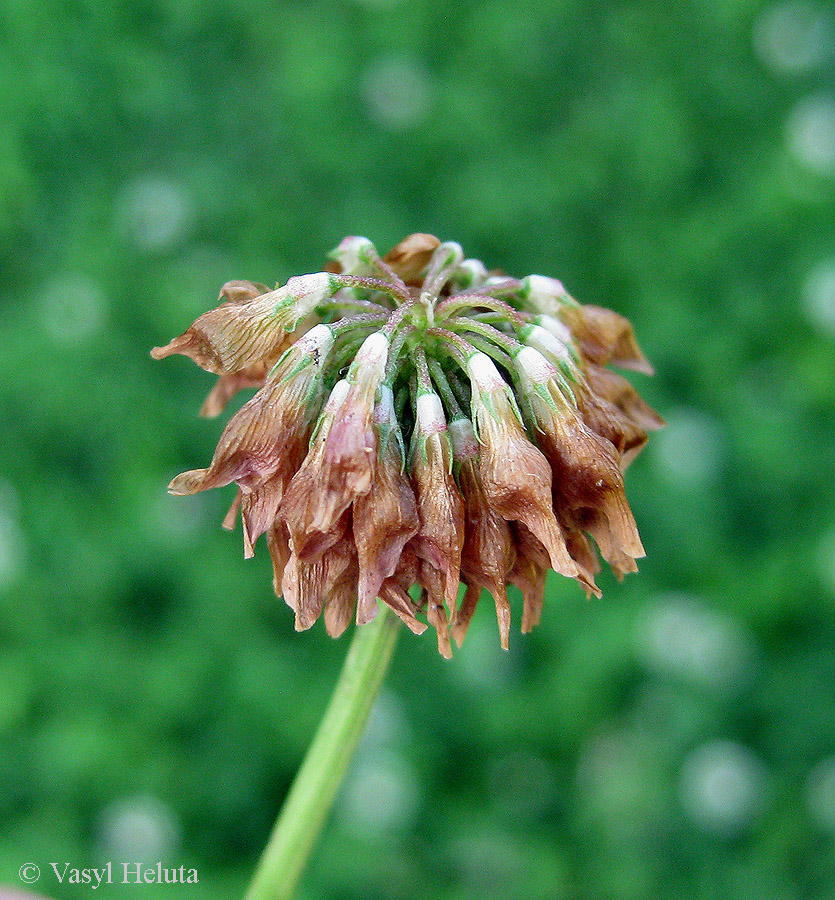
(677, 163)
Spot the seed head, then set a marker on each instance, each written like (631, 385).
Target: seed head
(421, 424)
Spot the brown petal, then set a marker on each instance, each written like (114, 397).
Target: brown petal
(236, 335)
(529, 573)
(395, 590)
(259, 508)
(411, 256)
(606, 337)
(617, 390)
(237, 292)
(279, 547)
(341, 463)
(517, 482)
(384, 520)
(339, 605)
(610, 423)
(440, 537)
(265, 437)
(305, 585)
(588, 485)
(585, 556)
(432, 581)
(399, 601)
(337, 470)
(487, 557)
(516, 476)
(227, 386)
(232, 514)
(232, 336)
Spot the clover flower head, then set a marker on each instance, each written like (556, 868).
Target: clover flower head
(421, 424)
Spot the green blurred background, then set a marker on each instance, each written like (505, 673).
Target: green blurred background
(674, 740)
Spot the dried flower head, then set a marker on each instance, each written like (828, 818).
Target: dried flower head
(421, 422)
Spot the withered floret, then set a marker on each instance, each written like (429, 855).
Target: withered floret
(421, 427)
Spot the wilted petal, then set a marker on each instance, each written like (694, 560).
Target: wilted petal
(588, 484)
(341, 463)
(617, 390)
(236, 292)
(305, 585)
(232, 514)
(264, 442)
(606, 420)
(351, 447)
(488, 553)
(399, 602)
(386, 517)
(588, 487)
(432, 580)
(236, 335)
(440, 537)
(339, 604)
(227, 386)
(394, 591)
(585, 556)
(529, 574)
(606, 337)
(278, 545)
(516, 476)
(411, 256)
(259, 505)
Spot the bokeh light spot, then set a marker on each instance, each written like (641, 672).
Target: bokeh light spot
(153, 212)
(396, 91)
(72, 308)
(794, 37)
(810, 131)
(723, 787)
(140, 828)
(819, 297)
(681, 636)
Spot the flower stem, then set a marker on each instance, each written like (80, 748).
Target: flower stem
(311, 795)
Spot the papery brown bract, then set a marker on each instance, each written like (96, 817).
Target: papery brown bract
(605, 337)
(278, 544)
(588, 487)
(618, 391)
(586, 558)
(606, 420)
(588, 483)
(244, 332)
(487, 556)
(529, 572)
(515, 476)
(394, 591)
(264, 443)
(613, 408)
(440, 536)
(342, 460)
(433, 582)
(237, 292)
(305, 585)
(385, 519)
(340, 602)
(227, 386)
(411, 256)
(231, 337)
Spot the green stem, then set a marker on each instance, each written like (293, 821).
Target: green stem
(306, 807)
